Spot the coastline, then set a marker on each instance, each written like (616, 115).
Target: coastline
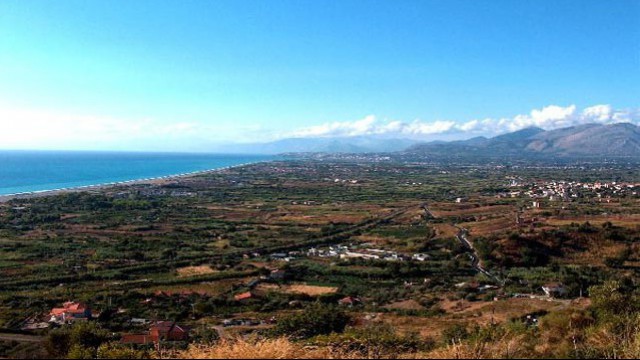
(102, 186)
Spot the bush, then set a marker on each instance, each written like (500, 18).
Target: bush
(77, 341)
(455, 334)
(374, 342)
(316, 319)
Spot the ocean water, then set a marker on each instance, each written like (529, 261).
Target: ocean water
(30, 171)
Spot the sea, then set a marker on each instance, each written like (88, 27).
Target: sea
(37, 171)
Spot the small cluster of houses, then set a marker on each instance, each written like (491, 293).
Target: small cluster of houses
(353, 252)
(153, 191)
(69, 312)
(72, 311)
(568, 190)
(342, 181)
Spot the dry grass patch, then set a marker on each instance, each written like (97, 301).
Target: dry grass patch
(481, 210)
(630, 221)
(195, 270)
(311, 290)
(490, 226)
(444, 230)
(405, 305)
(280, 348)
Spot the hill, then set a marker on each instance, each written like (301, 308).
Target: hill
(621, 139)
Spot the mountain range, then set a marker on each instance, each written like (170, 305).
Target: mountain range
(353, 144)
(622, 139)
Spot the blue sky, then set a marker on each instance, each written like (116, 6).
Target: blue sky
(182, 75)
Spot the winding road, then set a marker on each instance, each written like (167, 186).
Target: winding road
(473, 253)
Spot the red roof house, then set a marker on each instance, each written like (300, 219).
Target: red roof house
(244, 296)
(70, 311)
(168, 331)
(159, 331)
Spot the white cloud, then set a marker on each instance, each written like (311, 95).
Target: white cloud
(40, 129)
(549, 118)
(369, 125)
(363, 126)
(33, 129)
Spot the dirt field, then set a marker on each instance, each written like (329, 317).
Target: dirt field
(405, 305)
(479, 312)
(617, 220)
(473, 210)
(311, 290)
(195, 270)
(490, 226)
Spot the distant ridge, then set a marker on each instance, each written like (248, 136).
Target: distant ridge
(622, 139)
(355, 144)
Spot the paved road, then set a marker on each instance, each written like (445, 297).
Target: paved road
(21, 338)
(462, 237)
(475, 259)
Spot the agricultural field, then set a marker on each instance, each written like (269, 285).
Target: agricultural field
(422, 247)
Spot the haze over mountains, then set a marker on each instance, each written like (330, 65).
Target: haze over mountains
(352, 144)
(621, 139)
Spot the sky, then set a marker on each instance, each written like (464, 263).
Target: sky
(186, 75)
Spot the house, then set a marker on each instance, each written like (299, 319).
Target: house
(168, 331)
(554, 289)
(350, 301)
(70, 311)
(244, 296)
(159, 331)
(535, 204)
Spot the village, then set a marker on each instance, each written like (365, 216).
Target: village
(553, 190)
(350, 251)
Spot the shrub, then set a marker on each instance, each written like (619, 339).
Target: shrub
(316, 319)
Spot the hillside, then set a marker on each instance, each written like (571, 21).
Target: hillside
(621, 139)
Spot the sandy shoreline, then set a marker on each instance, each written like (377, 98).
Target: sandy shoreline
(154, 180)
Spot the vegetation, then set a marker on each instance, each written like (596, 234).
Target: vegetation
(188, 250)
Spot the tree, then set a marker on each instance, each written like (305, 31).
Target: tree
(455, 333)
(613, 298)
(80, 352)
(58, 343)
(316, 319)
(77, 340)
(117, 351)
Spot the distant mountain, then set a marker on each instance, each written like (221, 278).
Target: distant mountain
(621, 139)
(357, 144)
